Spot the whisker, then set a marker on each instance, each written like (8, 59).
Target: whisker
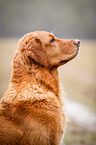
(53, 30)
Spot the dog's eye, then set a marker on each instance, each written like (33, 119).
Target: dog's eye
(52, 40)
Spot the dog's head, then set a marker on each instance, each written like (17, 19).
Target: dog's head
(47, 50)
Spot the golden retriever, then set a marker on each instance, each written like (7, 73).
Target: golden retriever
(31, 109)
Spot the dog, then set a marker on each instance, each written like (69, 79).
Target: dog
(31, 109)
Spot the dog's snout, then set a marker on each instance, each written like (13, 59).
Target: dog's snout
(77, 42)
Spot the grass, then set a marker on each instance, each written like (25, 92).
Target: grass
(78, 136)
(79, 75)
(7, 48)
(78, 78)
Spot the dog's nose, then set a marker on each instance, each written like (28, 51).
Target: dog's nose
(77, 42)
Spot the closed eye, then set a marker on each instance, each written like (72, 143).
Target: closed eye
(52, 40)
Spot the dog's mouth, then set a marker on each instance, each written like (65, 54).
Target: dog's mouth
(60, 63)
(65, 61)
(68, 58)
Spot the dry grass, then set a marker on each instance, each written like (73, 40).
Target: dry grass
(78, 77)
(7, 48)
(78, 136)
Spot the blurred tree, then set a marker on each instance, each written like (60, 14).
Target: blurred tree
(71, 18)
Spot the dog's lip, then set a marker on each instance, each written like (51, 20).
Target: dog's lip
(62, 62)
(65, 61)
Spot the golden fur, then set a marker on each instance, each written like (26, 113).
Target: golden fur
(31, 108)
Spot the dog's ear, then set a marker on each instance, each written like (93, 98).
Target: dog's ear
(36, 51)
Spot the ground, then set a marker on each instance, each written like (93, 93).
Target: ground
(78, 79)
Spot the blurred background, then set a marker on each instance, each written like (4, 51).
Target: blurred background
(66, 19)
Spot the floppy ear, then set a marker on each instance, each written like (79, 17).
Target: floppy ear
(36, 51)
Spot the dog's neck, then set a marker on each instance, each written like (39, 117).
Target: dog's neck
(21, 69)
(32, 77)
